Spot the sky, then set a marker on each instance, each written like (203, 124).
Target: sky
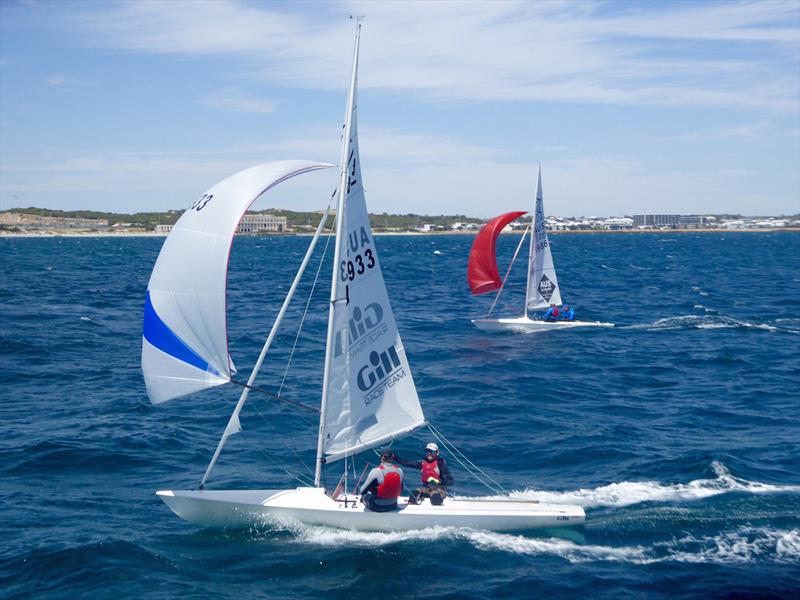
(630, 107)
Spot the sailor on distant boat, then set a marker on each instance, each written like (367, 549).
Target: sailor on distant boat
(383, 485)
(552, 313)
(435, 476)
(567, 313)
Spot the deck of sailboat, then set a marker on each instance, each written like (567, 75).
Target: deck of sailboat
(240, 509)
(528, 324)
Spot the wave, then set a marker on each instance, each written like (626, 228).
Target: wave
(627, 493)
(705, 322)
(704, 308)
(744, 545)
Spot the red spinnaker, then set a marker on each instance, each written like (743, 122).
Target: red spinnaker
(482, 271)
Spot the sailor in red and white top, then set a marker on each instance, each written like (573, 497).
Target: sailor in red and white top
(434, 474)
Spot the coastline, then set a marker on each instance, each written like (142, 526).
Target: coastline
(121, 234)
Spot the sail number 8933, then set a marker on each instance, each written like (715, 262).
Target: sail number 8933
(349, 269)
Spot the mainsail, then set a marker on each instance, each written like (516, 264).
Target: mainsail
(482, 273)
(369, 397)
(542, 289)
(185, 339)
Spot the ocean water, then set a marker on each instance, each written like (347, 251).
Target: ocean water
(678, 430)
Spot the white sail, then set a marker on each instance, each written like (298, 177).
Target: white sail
(542, 282)
(370, 397)
(185, 340)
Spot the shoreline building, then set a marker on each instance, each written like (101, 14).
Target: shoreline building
(259, 223)
(673, 221)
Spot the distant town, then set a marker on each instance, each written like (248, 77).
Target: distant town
(39, 221)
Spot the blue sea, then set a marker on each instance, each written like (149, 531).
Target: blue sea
(678, 430)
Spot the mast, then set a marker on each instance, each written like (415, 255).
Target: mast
(340, 209)
(533, 242)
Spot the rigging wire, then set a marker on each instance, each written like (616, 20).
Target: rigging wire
(279, 395)
(508, 271)
(278, 434)
(306, 481)
(458, 456)
(305, 310)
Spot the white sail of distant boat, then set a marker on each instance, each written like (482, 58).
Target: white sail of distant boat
(541, 289)
(368, 393)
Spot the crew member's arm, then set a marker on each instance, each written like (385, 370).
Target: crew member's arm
(411, 464)
(374, 477)
(444, 471)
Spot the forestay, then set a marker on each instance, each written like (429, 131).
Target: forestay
(185, 340)
(542, 287)
(370, 397)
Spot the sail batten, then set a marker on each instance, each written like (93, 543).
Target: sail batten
(184, 338)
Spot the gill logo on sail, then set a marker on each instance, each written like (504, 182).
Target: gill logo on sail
(382, 372)
(364, 328)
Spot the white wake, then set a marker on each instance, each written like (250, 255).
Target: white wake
(626, 493)
(744, 545)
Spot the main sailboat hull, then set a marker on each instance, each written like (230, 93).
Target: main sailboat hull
(525, 324)
(241, 509)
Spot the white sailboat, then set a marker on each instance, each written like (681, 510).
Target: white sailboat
(368, 393)
(542, 288)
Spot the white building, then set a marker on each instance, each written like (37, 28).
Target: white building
(258, 223)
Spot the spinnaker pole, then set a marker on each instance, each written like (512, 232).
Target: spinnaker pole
(340, 235)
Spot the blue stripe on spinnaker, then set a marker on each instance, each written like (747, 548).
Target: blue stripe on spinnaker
(162, 337)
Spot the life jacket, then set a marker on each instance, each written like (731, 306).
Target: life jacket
(392, 483)
(555, 312)
(430, 469)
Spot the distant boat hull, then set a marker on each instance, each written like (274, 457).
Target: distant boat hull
(241, 509)
(525, 324)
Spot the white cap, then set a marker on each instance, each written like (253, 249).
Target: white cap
(432, 447)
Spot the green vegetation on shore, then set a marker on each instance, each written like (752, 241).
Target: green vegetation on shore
(294, 219)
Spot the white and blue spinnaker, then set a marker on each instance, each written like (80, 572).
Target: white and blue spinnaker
(185, 338)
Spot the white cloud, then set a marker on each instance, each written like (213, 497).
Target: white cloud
(237, 100)
(481, 51)
(55, 80)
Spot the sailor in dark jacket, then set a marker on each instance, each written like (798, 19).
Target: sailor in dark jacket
(434, 473)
